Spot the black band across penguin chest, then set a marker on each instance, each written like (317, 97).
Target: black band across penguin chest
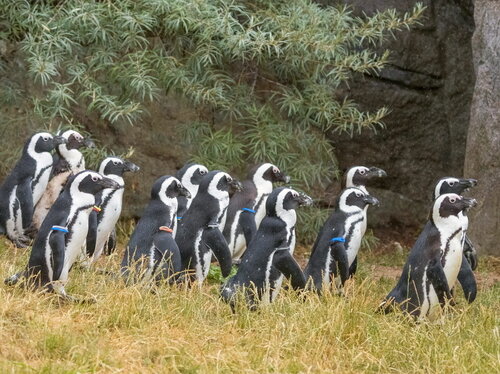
(37, 177)
(447, 246)
(73, 220)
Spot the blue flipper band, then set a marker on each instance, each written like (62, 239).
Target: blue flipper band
(179, 218)
(60, 228)
(248, 210)
(337, 239)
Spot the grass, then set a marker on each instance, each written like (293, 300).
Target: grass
(130, 330)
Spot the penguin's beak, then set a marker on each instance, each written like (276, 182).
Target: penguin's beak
(130, 166)
(467, 183)
(59, 140)
(468, 203)
(88, 143)
(235, 185)
(108, 183)
(184, 192)
(376, 172)
(304, 200)
(371, 200)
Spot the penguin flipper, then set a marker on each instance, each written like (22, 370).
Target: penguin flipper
(353, 267)
(111, 243)
(214, 240)
(25, 197)
(247, 222)
(467, 280)
(92, 234)
(286, 264)
(436, 275)
(169, 257)
(339, 254)
(470, 253)
(57, 245)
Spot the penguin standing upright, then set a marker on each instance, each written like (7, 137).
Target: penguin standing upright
(336, 247)
(434, 261)
(24, 186)
(68, 160)
(198, 234)
(466, 276)
(152, 249)
(108, 207)
(269, 255)
(359, 176)
(190, 176)
(63, 232)
(247, 208)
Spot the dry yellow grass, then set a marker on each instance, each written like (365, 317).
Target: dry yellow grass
(130, 330)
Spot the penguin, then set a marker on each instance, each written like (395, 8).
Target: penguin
(359, 176)
(190, 176)
(434, 261)
(62, 234)
(152, 249)
(269, 256)
(24, 186)
(107, 210)
(338, 242)
(247, 208)
(68, 160)
(466, 276)
(198, 234)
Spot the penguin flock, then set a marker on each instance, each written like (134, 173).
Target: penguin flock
(69, 214)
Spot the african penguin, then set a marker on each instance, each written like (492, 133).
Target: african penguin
(107, 210)
(247, 208)
(337, 244)
(269, 255)
(198, 234)
(434, 261)
(466, 276)
(63, 232)
(152, 252)
(24, 186)
(190, 176)
(68, 160)
(359, 176)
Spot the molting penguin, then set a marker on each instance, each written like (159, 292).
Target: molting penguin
(152, 250)
(336, 247)
(269, 255)
(434, 261)
(24, 186)
(108, 207)
(466, 275)
(63, 232)
(190, 176)
(198, 234)
(68, 160)
(247, 208)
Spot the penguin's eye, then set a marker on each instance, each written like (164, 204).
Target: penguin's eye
(229, 179)
(95, 178)
(115, 162)
(358, 194)
(295, 194)
(45, 138)
(276, 170)
(451, 184)
(452, 200)
(362, 171)
(179, 186)
(203, 172)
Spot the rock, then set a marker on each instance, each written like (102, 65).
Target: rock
(483, 142)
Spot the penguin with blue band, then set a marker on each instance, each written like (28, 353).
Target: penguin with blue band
(247, 207)
(62, 234)
(152, 253)
(198, 235)
(24, 186)
(269, 256)
(338, 242)
(434, 261)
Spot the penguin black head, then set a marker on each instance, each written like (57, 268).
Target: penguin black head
(90, 182)
(218, 184)
(74, 140)
(448, 205)
(116, 166)
(285, 199)
(191, 174)
(453, 185)
(354, 199)
(268, 172)
(44, 142)
(360, 175)
(168, 188)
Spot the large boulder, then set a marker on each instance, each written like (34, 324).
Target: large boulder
(483, 142)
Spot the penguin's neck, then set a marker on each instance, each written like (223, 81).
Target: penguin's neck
(190, 186)
(263, 186)
(449, 227)
(172, 205)
(73, 157)
(361, 187)
(117, 178)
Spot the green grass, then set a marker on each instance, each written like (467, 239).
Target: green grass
(130, 330)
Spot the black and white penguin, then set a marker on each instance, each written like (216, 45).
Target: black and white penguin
(107, 210)
(198, 234)
(68, 160)
(269, 256)
(63, 232)
(466, 275)
(152, 252)
(24, 186)
(336, 248)
(434, 261)
(359, 176)
(247, 208)
(190, 176)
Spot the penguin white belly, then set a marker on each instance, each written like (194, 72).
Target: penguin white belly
(233, 245)
(453, 260)
(199, 271)
(43, 181)
(239, 246)
(354, 242)
(14, 223)
(326, 271)
(260, 213)
(111, 214)
(73, 246)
